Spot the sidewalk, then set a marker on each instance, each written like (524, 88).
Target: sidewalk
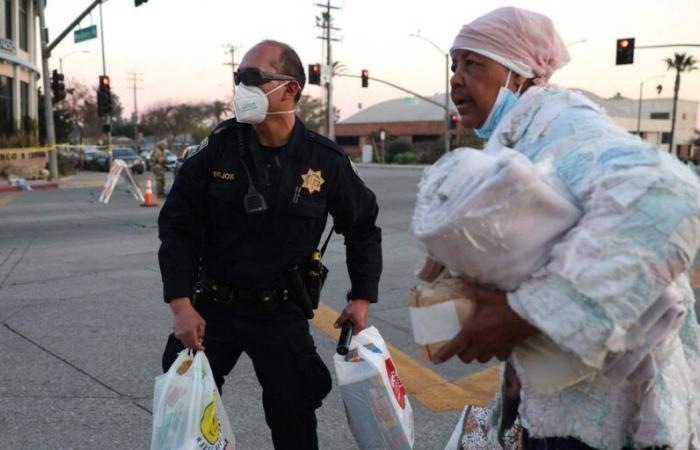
(82, 179)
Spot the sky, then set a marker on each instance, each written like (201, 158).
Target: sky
(178, 46)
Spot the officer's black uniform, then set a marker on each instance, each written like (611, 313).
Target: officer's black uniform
(248, 257)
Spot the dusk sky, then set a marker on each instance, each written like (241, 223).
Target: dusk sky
(178, 45)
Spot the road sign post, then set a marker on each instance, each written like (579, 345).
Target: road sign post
(84, 34)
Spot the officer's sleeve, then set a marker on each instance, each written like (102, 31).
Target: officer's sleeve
(354, 209)
(180, 225)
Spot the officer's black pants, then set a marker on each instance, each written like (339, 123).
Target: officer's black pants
(293, 377)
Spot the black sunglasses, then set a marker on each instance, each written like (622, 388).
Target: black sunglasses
(255, 77)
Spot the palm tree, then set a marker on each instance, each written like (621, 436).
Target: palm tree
(681, 62)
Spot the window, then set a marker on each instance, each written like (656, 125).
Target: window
(24, 102)
(660, 116)
(666, 137)
(348, 140)
(6, 123)
(8, 19)
(23, 25)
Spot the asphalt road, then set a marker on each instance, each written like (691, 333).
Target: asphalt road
(83, 325)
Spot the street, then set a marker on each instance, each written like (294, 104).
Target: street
(84, 324)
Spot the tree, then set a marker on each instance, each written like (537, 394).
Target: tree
(681, 62)
(312, 112)
(81, 104)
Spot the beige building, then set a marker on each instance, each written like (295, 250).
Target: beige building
(655, 118)
(19, 71)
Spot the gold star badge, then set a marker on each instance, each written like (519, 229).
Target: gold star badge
(312, 181)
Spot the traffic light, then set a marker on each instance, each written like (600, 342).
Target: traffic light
(104, 97)
(139, 2)
(58, 88)
(365, 77)
(453, 121)
(625, 51)
(314, 74)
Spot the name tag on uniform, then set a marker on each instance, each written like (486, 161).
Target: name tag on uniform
(228, 176)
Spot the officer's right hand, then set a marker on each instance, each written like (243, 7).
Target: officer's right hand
(189, 325)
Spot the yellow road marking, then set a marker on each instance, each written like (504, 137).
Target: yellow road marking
(6, 199)
(695, 279)
(433, 391)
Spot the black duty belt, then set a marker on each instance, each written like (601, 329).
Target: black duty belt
(223, 293)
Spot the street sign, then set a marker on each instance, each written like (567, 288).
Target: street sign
(83, 34)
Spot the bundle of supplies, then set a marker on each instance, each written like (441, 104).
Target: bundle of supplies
(377, 407)
(187, 410)
(492, 220)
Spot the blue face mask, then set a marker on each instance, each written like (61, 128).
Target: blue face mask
(504, 102)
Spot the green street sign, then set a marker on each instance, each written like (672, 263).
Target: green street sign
(84, 34)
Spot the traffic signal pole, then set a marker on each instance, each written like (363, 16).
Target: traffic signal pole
(396, 86)
(104, 73)
(46, 49)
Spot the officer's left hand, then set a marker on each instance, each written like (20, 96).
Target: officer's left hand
(492, 330)
(357, 312)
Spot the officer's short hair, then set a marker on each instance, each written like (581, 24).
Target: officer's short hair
(289, 64)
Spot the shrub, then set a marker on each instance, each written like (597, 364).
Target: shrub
(396, 147)
(407, 158)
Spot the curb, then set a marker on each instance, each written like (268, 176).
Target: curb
(38, 187)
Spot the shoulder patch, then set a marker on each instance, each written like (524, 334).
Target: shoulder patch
(324, 141)
(223, 125)
(199, 148)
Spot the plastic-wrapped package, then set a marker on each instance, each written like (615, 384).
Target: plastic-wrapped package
(494, 220)
(377, 407)
(489, 218)
(437, 312)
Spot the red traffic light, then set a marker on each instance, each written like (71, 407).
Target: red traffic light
(365, 78)
(314, 74)
(454, 119)
(104, 80)
(624, 51)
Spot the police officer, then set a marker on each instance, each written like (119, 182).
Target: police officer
(251, 204)
(158, 159)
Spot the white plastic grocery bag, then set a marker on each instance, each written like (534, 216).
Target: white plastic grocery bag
(187, 410)
(376, 404)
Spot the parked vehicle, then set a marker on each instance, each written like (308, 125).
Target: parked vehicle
(185, 154)
(100, 162)
(129, 156)
(146, 158)
(170, 160)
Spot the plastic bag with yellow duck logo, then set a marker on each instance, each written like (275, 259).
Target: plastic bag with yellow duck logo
(187, 410)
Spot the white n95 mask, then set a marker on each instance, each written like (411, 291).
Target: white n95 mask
(250, 104)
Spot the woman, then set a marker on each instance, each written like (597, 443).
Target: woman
(637, 238)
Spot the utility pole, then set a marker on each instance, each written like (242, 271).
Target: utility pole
(327, 26)
(48, 108)
(135, 79)
(231, 49)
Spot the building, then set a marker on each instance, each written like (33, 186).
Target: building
(410, 119)
(415, 120)
(19, 73)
